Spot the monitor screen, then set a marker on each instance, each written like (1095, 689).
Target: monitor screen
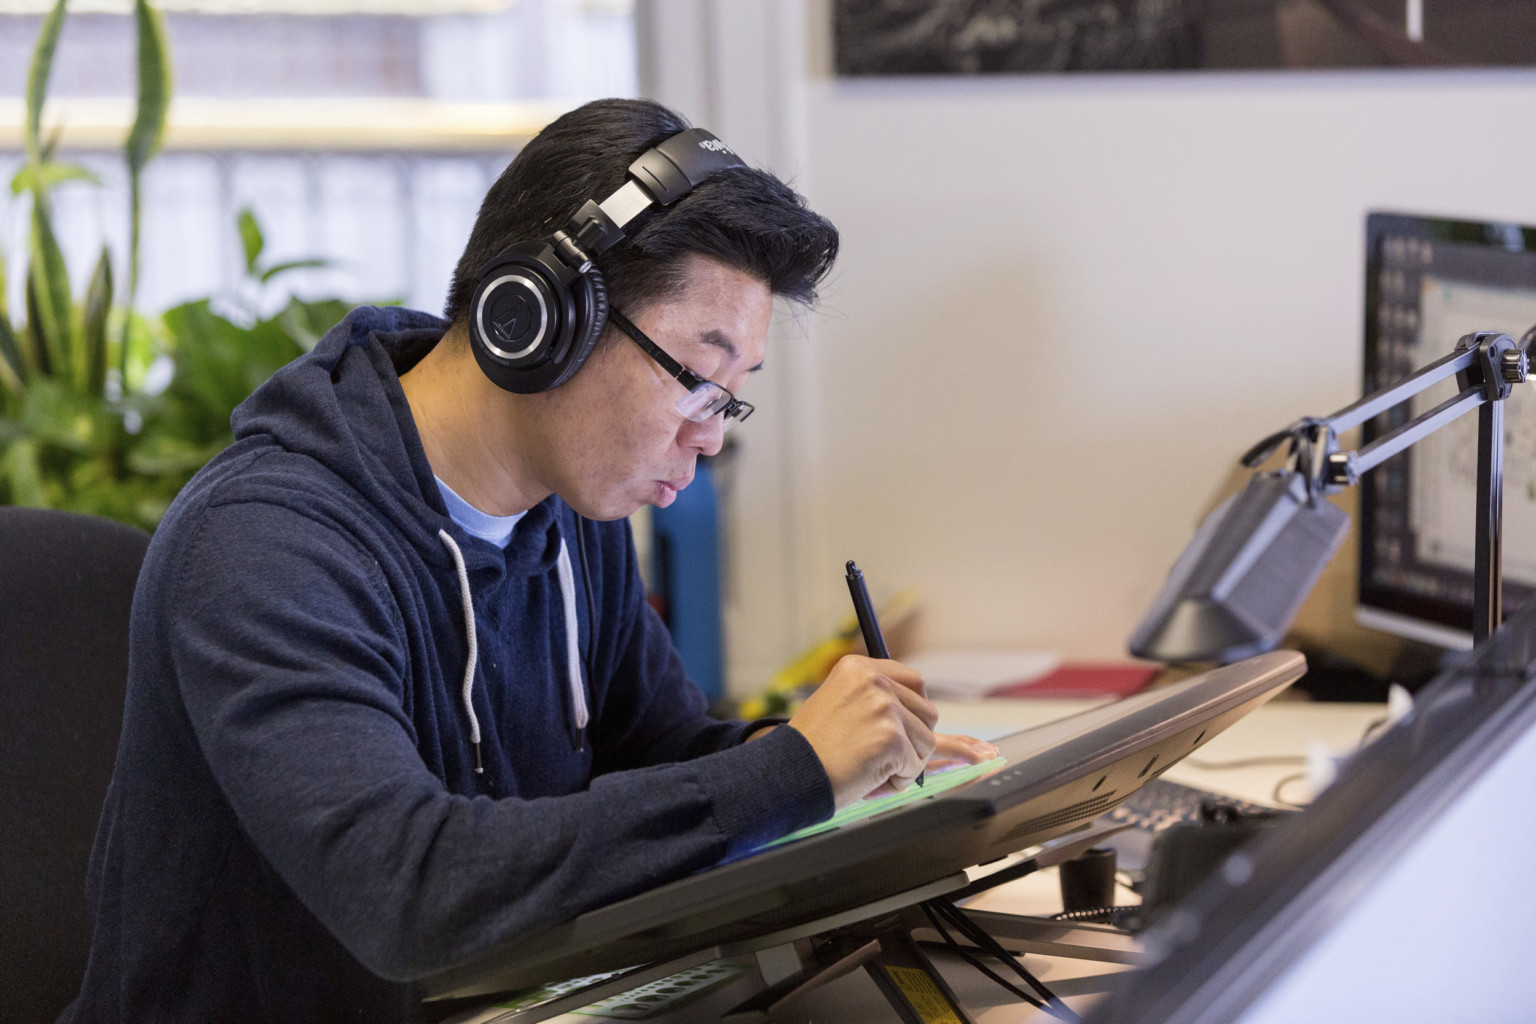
(1429, 281)
(1055, 778)
(1396, 896)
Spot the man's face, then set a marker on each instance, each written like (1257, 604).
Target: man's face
(620, 442)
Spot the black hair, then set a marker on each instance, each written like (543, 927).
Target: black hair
(742, 217)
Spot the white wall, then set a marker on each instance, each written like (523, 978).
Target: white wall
(1066, 304)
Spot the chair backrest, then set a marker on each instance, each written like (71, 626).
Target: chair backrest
(66, 586)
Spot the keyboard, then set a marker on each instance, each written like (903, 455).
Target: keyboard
(1159, 805)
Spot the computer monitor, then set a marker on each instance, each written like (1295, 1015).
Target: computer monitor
(1428, 281)
(1398, 895)
(1057, 778)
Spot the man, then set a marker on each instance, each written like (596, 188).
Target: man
(395, 696)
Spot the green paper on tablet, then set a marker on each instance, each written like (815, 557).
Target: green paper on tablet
(937, 782)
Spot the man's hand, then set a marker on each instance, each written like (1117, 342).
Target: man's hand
(948, 750)
(871, 724)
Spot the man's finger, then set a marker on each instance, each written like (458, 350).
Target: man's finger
(949, 747)
(920, 740)
(917, 704)
(910, 678)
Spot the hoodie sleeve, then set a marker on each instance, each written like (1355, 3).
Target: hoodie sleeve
(288, 657)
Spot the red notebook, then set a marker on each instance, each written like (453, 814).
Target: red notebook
(1085, 679)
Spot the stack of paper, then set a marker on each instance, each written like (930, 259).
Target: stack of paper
(972, 674)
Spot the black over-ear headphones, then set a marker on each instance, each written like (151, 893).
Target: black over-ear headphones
(540, 305)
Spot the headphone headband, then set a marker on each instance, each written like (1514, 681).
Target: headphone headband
(659, 177)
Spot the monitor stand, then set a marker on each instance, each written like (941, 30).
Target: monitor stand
(888, 952)
(883, 938)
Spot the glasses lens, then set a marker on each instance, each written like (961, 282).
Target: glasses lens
(704, 401)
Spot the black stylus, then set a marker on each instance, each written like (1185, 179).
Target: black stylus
(868, 624)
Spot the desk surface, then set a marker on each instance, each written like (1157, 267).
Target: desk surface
(1267, 746)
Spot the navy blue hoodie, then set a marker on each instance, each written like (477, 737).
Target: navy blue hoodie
(295, 829)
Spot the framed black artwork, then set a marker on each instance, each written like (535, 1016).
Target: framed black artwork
(968, 37)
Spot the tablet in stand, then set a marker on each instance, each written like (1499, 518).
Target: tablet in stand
(1057, 778)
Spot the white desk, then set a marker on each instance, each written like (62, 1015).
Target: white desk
(1280, 729)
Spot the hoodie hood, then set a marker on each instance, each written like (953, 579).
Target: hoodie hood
(342, 406)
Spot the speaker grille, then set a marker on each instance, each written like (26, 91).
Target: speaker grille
(1064, 816)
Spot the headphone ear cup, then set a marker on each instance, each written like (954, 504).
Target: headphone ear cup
(591, 317)
(523, 318)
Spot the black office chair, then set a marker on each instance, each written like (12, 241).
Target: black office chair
(66, 584)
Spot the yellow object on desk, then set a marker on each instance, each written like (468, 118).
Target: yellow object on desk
(790, 685)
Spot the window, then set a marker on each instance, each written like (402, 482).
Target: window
(365, 133)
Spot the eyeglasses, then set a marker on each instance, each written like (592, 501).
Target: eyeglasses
(705, 398)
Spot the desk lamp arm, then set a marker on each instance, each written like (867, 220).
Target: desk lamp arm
(1486, 365)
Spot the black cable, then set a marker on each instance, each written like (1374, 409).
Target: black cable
(1246, 762)
(971, 930)
(1257, 762)
(1371, 727)
(1286, 781)
(1086, 914)
(1365, 737)
(985, 940)
(1281, 759)
(968, 957)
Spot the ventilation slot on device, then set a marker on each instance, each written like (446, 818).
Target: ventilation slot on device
(1081, 811)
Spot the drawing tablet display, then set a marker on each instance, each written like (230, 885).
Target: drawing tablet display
(1049, 780)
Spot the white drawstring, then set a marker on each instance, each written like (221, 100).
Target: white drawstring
(572, 647)
(579, 713)
(474, 645)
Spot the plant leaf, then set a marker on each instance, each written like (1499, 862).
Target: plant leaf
(10, 348)
(154, 87)
(98, 304)
(37, 78)
(250, 239)
(13, 369)
(48, 274)
(51, 144)
(135, 209)
(162, 455)
(143, 140)
(306, 322)
(42, 177)
(65, 422)
(37, 351)
(19, 469)
(283, 268)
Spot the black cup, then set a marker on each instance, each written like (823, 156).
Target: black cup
(1088, 882)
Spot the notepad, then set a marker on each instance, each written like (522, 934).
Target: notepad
(937, 782)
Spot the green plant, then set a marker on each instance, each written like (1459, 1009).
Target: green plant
(61, 439)
(217, 361)
(81, 426)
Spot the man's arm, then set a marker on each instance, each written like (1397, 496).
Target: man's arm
(870, 722)
(288, 657)
(858, 745)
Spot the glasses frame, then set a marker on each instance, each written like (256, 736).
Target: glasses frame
(734, 410)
